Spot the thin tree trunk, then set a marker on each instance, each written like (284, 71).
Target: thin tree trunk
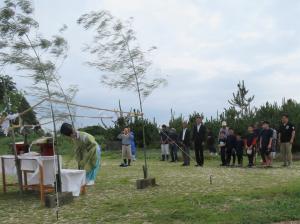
(145, 168)
(58, 176)
(17, 162)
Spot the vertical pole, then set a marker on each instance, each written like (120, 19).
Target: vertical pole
(3, 175)
(17, 161)
(58, 175)
(145, 167)
(42, 192)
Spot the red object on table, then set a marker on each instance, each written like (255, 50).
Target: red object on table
(47, 149)
(21, 148)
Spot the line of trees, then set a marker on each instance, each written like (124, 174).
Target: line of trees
(11, 97)
(238, 116)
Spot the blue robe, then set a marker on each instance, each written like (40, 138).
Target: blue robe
(133, 146)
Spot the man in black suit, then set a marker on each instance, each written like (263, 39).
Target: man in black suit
(184, 142)
(199, 132)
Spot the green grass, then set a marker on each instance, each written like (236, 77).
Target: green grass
(184, 195)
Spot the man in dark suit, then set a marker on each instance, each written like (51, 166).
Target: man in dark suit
(199, 132)
(185, 143)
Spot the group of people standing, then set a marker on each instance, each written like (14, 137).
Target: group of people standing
(260, 139)
(170, 140)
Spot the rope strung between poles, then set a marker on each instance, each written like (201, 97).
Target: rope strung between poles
(79, 105)
(168, 137)
(91, 117)
(49, 122)
(32, 107)
(96, 108)
(182, 150)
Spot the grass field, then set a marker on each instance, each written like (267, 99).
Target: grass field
(184, 195)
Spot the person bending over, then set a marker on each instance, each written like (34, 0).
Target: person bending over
(87, 151)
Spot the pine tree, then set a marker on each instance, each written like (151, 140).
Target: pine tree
(241, 101)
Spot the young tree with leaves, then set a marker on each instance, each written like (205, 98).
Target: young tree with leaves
(18, 103)
(240, 99)
(118, 54)
(24, 48)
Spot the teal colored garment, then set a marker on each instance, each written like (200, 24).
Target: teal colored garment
(91, 175)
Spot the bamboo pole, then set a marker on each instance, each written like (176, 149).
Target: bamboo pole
(17, 162)
(95, 108)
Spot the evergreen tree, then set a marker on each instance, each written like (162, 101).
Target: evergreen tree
(241, 101)
(9, 94)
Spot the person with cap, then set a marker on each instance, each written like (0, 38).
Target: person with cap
(87, 151)
(224, 129)
(286, 139)
(199, 133)
(265, 144)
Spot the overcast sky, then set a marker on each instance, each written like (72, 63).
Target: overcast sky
(204, 48)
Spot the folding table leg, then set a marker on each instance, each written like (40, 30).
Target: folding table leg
(3, 175)
(42, 192)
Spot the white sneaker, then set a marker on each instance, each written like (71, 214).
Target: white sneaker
(90, 183)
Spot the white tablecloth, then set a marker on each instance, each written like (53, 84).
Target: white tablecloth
(31, 163)
(72, 180)
(9, 163)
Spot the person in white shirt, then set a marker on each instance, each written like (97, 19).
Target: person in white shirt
(164, 139)
(5, 121)
(184, 142)
(224, 129)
